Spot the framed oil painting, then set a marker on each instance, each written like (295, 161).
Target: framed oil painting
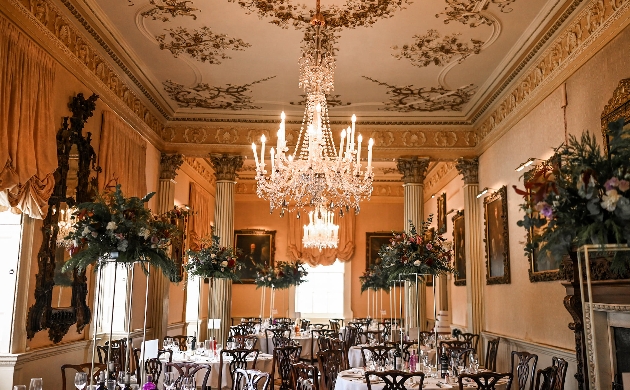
(373, 243)
(497, 238)
(459, 248)
(256, 247)
(543, 266)
(441, 213)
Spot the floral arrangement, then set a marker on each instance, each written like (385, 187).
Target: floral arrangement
(423, 253)
(581, 197)
(284, 275)
(213, 260)
(375, 279)
(121, 229)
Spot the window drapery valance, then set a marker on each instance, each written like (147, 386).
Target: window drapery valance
(312, 256)
(122, 157)
(28, 148)
(201, 204)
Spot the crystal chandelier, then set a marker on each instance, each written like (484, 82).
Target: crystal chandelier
(65, 224)
(316, 173)
(321, 231)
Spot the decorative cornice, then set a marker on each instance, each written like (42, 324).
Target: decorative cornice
(50, 20)
(169, 164)
(588, 25)
(332, 122)
(202, 170)
(225, 166)
(413, 169)
(434, 177)
(469, 168)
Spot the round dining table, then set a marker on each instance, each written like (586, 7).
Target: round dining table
(263, 363)
(354, 379)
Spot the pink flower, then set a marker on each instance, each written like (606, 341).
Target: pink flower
(611, 183)
(624, 185)
(429, 246)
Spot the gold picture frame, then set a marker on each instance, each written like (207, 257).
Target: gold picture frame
(459, 248)
(497, 238)
(618, 107)
(441, 213)
(252, 243)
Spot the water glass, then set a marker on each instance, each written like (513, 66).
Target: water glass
(19, 387)
(121, 379)
(36, 384)
(80, 380)
(169, 381)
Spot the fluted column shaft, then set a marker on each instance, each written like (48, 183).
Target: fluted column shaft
(413, 171)
(159, 283)
(220, 296)
(475, 262)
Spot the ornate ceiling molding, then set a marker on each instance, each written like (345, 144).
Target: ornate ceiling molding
(434, 49)
(204, 171)
(577, 37)
(49, 19)
(162, 8)
(439, 176)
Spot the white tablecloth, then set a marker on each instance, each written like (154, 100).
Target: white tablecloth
(354, 379)
(263, 363)
(304, 341)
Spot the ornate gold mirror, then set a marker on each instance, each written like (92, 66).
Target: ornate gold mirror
(618, 107)
(60, 298)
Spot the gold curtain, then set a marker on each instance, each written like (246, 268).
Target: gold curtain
(28, 148)
(313, 256)
(201, 204)
(122, 157)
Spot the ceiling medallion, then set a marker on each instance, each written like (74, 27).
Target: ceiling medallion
(317, 174)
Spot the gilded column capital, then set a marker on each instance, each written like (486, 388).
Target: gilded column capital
(169, 164)
(469, 168)
(226, 165)
(413, 169)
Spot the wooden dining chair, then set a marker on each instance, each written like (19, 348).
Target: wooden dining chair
(162, 355)
(406, 345)
(320, 337)
(485, 380)
(561, 372)
(321, 326)
(274, 335)
(83, 367)
(335, 324)
(304, 324)
(190, 370)
(330, 362)
(370, 337)
(471, 338)
(523, 364)
(251, 379)
(304, 377)
(444, 344)
(491, 354)
(377, 354)
(283, 359)
(182, 341)
(242, 341)
(236, 358)
(394, 379)
(546, 378)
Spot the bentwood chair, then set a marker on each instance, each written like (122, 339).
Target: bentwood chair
(524, 365)
(561, 372)
(304, 377)
(330, 362)
(486, 380)
(83, 367)
(491, 354)
(394, 379)
(237, 358)
(283, 360)
(190, 370)
(251, 379)
(377, 354)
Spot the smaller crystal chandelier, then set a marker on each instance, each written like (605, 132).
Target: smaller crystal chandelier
(321, 231)
(65, 224)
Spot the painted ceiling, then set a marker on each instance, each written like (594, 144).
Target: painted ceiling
(396, 60)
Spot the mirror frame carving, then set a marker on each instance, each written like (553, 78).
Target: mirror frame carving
(618, 106)
(42, 315)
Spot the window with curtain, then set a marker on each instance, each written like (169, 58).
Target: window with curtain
(10, 238)
(321, 296)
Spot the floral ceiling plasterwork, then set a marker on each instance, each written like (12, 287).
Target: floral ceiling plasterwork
(202, 44)
(470, 11)
(434, 49)
(163, 8)
(588, 25)
(50, 20)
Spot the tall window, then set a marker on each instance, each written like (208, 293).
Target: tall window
(321, 296)
(10, 237)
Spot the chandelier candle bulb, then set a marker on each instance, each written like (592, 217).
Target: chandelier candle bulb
(369, 164)
(262, 151)
(360, 139)
(349, 132)
(343, 137)
(273, 161)
(255, 153)
(354, 120)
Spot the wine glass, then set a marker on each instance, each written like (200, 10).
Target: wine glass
(36, 384)
(121, 379)
(169, 381)
(80, 380)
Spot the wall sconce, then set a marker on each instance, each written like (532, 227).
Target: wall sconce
(451, 211)
(527, 163)
(484, 191)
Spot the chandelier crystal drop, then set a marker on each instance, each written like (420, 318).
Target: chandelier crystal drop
(317, 173)
(321, 231)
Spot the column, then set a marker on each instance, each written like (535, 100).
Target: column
(220, 297)
(169, 164)
(413, 170)
(475, 261)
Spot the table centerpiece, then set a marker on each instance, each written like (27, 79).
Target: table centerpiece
(284, 275)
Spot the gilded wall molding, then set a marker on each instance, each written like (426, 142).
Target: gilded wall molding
(201, 169)
(576, 38)
(435, 176)
(48, 19)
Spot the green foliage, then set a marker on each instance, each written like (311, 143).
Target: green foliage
(375, 279)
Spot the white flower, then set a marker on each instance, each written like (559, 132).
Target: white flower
(85, 231)
(609, 201)
(94, 234)
(144, 233)
(417, 263)
(111, 225)
(224, 263)
(212, 256)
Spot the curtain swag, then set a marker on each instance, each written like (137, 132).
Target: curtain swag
(201, 205)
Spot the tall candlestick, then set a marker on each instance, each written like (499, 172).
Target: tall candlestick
(359, 138)
(370, 145)
(273, 161)
(262, 151)
(255, 153)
